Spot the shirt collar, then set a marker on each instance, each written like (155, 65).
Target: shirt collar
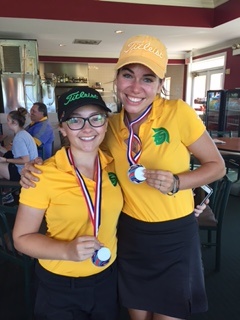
(43, 119)
(63, 164)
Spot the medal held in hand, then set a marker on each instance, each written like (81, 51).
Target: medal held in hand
(136, 171)
(102, 256)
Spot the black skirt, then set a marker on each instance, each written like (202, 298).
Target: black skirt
(160, 266)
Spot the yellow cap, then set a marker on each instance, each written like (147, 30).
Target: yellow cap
(146, 50)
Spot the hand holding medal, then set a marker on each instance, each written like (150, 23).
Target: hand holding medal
(136, 171)
(102, 256)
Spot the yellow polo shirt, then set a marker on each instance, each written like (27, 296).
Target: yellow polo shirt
(67, 215)
(170, 127)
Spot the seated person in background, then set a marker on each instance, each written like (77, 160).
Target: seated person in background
(40, 129)
(24, 148)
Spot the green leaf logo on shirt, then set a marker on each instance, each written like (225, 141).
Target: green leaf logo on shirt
(113, 178)
(160, 136)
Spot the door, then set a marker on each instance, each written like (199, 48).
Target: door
(202, 82)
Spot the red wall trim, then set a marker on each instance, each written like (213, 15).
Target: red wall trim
(228, 11)
(98, 11)
(76, 59)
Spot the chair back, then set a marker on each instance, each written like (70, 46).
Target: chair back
(6, 241)
(211, 219)
(222, 191)
(41, 151)
(9, 253)
(218, 204)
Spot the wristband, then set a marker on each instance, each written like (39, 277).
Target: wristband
(176, 185)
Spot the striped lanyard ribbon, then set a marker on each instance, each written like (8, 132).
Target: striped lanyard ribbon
(133, 159)
(94, 211)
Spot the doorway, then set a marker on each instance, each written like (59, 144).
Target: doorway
(202, 82)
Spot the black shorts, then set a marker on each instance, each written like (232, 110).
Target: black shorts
(13, 172)
(160, 267)
(67, 298)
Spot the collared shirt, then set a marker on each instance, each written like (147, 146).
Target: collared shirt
(42, 133)
(67, 215)
(170, 127)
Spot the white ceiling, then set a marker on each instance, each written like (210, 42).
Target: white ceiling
(178, 40)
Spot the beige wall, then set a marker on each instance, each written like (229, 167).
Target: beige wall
(102, 72)
(176, 73)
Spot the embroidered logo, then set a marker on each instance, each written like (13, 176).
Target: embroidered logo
(113, 178)
(160, 135)
(79, 95)
(145, 46)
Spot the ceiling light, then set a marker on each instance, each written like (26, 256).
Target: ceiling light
(118, 31)
(62, 45)
(236, 46)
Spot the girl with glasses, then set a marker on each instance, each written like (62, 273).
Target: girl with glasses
(76, 268)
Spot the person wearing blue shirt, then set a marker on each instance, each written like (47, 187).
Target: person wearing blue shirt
(41, 130)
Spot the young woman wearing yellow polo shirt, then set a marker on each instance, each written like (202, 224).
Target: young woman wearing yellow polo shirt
(81, 200)
(159, 259)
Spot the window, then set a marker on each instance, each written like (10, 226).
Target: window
(206, 75)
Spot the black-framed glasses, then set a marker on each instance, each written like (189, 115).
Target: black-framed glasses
(96, 120)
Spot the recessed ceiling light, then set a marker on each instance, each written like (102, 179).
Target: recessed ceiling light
(62, 45)
(118, 31)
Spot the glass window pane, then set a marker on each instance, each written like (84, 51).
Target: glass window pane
(216, 81)
(208, 63)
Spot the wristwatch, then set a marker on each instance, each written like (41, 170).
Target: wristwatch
(176, 185)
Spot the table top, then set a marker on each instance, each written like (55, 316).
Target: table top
(231, 144)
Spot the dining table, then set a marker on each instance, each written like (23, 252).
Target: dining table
(229, 144)
(229, 147)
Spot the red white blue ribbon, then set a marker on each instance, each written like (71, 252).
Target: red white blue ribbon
(133, 159)
(94, 210)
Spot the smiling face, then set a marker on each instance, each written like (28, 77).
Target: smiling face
(88, 138)
(35, 115)
(137, 86)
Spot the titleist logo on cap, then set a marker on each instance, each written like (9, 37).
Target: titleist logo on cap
(141, 45)
(79, 95)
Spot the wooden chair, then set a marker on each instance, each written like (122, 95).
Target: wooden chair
(211, 219)
(10, 254)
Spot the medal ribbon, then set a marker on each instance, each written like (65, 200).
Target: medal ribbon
(94, 211)
(132, 136)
